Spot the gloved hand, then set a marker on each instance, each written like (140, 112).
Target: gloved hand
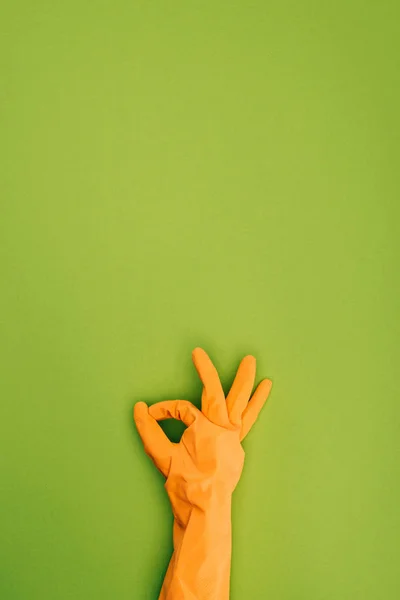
(202, 471)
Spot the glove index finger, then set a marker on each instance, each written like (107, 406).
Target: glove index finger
(181, 410)
(156, 444)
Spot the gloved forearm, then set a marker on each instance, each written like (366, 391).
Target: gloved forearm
(201, 472)
(200, 565)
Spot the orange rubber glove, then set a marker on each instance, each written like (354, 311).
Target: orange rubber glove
(202, 471)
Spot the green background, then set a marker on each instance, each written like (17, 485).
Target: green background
(176, 174)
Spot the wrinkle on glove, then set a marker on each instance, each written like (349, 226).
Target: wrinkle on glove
(202, 471)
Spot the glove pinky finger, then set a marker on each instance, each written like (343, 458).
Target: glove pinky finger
(254, 406)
